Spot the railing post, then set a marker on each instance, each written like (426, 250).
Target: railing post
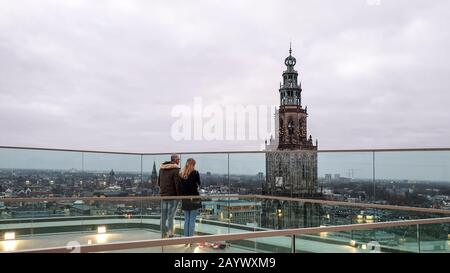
(141, 184)
(418, 236)
(373, 174)
(142, 170)
(229, 192)
(293, 243)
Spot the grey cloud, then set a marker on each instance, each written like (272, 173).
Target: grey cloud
(105, 74)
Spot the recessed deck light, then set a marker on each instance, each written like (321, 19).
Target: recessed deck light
(101, 229)
(10, 236)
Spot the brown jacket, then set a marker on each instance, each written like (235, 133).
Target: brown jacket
(169, 179)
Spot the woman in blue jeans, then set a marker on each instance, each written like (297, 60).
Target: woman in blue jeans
(190, 182)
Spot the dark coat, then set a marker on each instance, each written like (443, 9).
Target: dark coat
(189, 186)
(169, 179)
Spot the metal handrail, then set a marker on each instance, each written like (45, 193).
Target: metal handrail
(360, 205)
(227, 152)
(252, 196)
(235, 236)
(123, 198)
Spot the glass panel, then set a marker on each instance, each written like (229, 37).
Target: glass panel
(435, 238)
(385, 215)
(243, 214)
(203, 247)
(279, 244)
(389, 240)
(214, 216)
(259, 245)
(39, 173)
(413, 178)
(228, 215)
(25, 159)
(283, 214)
(247, 173)
(78, 223)
(151, 215)
(112, 175)
(27, 173)
(397, 239)
(16, 223)
(156, 249)
(346, 176)
(338, 215)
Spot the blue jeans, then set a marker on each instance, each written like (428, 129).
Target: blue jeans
(168, 209)
(189, 222)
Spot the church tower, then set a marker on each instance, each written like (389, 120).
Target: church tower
(292, 167)
(154, 176)
(292, 116)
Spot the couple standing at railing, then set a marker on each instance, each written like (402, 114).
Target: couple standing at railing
(174, 181)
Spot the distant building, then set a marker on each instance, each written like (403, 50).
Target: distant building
(8, 193)
(260, 176)
(79, 208)
(111, 178)
(327, 191)
(154, 176)
(36, 213)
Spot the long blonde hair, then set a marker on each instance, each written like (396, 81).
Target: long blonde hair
(188, 168)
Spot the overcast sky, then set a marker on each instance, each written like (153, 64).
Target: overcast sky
(105, 75)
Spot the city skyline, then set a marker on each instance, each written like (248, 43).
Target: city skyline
(69, 80)
(424, 166)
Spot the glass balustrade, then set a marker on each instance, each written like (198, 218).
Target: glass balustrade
(234, 190)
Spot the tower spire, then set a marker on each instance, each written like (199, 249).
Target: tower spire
(290, 48)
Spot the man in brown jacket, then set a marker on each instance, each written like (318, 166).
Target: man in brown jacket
(169, 185)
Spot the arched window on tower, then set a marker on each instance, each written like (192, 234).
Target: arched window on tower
(291, 127)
